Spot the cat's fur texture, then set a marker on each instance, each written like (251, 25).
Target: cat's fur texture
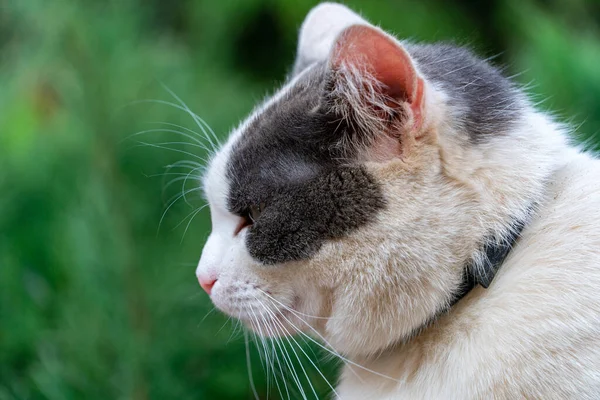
(382, 168)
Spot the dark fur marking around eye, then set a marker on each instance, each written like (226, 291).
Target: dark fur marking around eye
(288, 160)
(300, 218)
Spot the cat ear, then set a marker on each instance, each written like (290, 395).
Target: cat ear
(376, 84)
(318, 33)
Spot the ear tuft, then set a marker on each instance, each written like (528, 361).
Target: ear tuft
(318, 32)
(368, 48)
(375, 84)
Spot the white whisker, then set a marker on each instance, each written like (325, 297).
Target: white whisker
(196, 210)
(330, 350)
(256, 324)
(194, 115)
(274, 318)
(171, 205)
(183, 144)
(181, 174)
(207, 314)
(286, 357)
(163, 130)
(187, 129)
(275, 360)
(184, 183)
(234, 331)
(223, 326)
(302, 314)
(287, 338)
(182, 177)
(186, 110)
(249, 365)
(184, 164)
(191, 219)
(172, 149)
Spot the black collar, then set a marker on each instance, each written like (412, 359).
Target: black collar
(483, 269)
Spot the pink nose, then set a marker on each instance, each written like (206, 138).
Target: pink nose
(207, 283)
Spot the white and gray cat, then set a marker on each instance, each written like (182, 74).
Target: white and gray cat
(372, 199)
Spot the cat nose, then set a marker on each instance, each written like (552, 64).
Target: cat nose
(207, 283)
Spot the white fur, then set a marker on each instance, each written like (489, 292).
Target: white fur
(319, 30)
(534, 333)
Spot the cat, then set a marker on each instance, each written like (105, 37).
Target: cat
(406, 205)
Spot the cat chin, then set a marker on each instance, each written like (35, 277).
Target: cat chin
(271, 326)
(275, 323)
(258, 309)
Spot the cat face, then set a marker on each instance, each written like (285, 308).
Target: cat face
(343, 206)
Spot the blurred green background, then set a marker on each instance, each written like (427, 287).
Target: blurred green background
(94, 303)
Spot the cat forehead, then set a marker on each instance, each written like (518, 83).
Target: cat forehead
(284, 140)
(270, 142)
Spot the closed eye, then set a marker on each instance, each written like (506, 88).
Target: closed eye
(254, 211)
(249, 217)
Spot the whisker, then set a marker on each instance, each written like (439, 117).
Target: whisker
(249, 366)
(262, 357)
(197, 142)
(178, 196)
(254, 322)
(187, 111)
(274, 318)
(171, 205)
(223, 326)
(302, 314)
(192, 165)
(267, 364)
(194, 115)
(187, 129)
(312, 363)
(260, 342)
(275, 360)
(235, 331)
(182, 174)
(184, 164)
(183, 186)
(297, 379)
(172, 149)
(183, 144)
(191, 219)
(287, 338)
(207, 314)
(331, 350)
(270, 370)
(182, 177)
(190, 214)
(286, 358)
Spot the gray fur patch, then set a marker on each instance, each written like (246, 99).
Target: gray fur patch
(484, 102)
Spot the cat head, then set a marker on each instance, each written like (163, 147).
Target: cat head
(348, 205)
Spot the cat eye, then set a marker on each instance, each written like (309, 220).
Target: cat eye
(254, 211)
(250, 216)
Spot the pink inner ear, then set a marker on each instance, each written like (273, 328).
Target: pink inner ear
(367, 47)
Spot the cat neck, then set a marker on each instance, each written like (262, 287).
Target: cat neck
(511, 176)
(482, 268)
(486, 262)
